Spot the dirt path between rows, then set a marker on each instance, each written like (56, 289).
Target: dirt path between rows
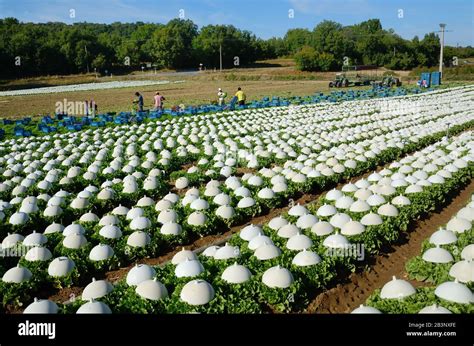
(347, 296)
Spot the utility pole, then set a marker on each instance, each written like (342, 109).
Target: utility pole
(442, 26)
(220, 56)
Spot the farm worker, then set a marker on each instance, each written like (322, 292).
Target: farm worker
(86, 107)
(221, 95)
(158, 101)
(93, 107)
(240, 96)
(139, 101)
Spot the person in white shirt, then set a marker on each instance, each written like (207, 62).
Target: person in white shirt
(221, 95)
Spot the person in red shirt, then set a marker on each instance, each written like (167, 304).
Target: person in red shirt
(158, 101)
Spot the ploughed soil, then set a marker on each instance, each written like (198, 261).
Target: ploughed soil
(347, 296)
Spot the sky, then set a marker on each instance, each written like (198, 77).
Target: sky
(265, 18)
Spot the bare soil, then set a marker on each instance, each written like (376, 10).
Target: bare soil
(67, 294)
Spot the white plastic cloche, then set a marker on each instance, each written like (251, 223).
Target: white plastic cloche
(188, 268)
(364, 309)
(434, 309)
(139, 273)
(41, 306)
(61, 266)
(396, 289)
(151, 289)
(437, 255)
(249, 232)
(277, 277)
(96, 289)
(182, 255)
(17, 275)
(236, 274)
(454, 291)
(197, 292)
(94, 307)
(306, 258)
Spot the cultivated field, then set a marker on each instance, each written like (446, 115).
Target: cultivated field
(281, 209)
(270, 78)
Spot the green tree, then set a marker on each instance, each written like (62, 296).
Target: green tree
(58, 48)
(369, 42)
(326, 62)
(430, 47)
(297, 38)
(172, 44)
(234, 42)
(307, 59)
(99, 62)
(278, 46)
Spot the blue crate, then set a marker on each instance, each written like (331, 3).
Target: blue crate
(435, 78)
(47, 120)
(106, 118)
(21, 132)
(154, 115)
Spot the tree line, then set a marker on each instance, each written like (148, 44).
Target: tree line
(57, 48)
(330, 45)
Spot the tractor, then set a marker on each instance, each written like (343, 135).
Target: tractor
(389, 81)
(351, 76)
(340, 81)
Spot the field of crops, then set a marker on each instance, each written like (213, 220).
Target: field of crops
(249, 211)
(446, 264)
